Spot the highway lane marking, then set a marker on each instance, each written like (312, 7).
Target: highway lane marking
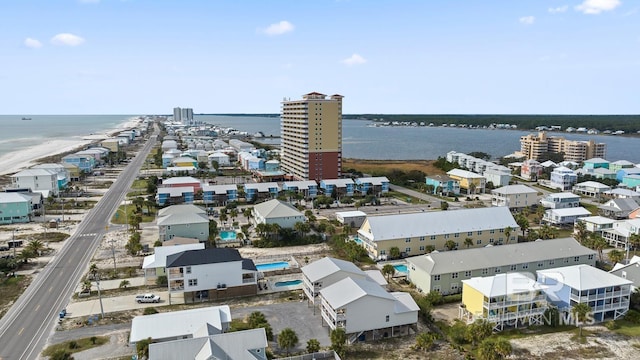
(51, 289)
(20, 332)
(38, 307)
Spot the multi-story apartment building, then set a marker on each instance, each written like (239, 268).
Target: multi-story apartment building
(534, 146)
(312, 137)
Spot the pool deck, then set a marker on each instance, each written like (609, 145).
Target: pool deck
(272, 280)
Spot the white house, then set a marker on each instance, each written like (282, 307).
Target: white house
(277, 212)
(366, 311)
(514, 196)
(154, 265)
(351, 218)
(211, 274)
(563, 178)
(591, 188)
(36, 179)
(325, 272)
(184, 324)
(596, 224)
(564, 216)
(561, 200)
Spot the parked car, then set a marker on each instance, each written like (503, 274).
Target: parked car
(147, 298)
(62, 313)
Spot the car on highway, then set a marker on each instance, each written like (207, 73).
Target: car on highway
(147, 298)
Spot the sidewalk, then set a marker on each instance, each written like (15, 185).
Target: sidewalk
(113, 284)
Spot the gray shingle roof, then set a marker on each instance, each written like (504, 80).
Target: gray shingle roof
(205, 256)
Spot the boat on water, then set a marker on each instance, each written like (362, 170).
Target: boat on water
(26, 118)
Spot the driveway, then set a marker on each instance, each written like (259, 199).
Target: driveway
(117, 303)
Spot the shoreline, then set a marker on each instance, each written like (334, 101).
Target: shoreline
(19, 160)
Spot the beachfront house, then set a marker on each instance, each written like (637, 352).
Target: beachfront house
(505, 300)
(261, 191)
(443, 184)
(341, 187)
(241, 345)
(567, 216)
(563, 178)
(514, 196)
(560, 200)
(618, 208)
(277, 212)
(36, 180)
(186, 220)
(211, 274)
(607, 295)
(219, 195)
(15, 208)
(497, 175)
(306, 188)
(412, 233)
(631, 181)
(155, 265)
(444, 271)
(373, 185)
(61, 171)
(366, 311)
(591, 188)
(182, 324)
(470, 181)
(86, 163)
(620, 174)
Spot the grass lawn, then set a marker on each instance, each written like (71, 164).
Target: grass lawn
(74, 346)
(593, 209)
(404, 197)
(628, 328)
(11, 288)
(119, 218)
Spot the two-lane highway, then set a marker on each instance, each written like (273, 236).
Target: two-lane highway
(25, 327)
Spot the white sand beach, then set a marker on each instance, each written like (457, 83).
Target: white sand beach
(22, 159)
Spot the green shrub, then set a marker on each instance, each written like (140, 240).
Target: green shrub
(611, 325)
(633, 316)
(149, 311)
(73, 345)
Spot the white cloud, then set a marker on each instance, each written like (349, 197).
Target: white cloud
(354, 59)
(66, 39)
(32, 43)
(594, 7)
(278, 28)
(559, 9)
(527, 20)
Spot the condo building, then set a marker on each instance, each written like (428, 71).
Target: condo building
(311, 141)
(534, 146)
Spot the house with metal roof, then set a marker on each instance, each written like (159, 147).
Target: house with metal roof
(620, 193)
(175, 195)
(590, 188)
(621, 164)
(219, 194)
(630, 271)
(595, 163)
(155, 265)
(354, 218)
(15, 208)
(211, 274)
(260, 191)
(325, 272)
(621, 231)
(36, 179)
(183, 221)
(443, 184)
(606, 294)
(342, 187)
(182, 181)
(566, 216)
(412, 233)
(61, 171)
(470, 181)
(505, 300)
(366, 311)
(618, 208)
(444, 271)
(307, 188)
(237, 345)
(373, 185)
(277, 212)
(597, 223)
(514, 196)
(562, 178)
(183, 324)
(560, 200)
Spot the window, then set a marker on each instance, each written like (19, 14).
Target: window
(387, 318)
(454, 287)
(513, 267)
(407, 240)
(492, 231)
(436, 277)
(446, 236)
(485, 271)
(552, 262)
(525, 266)
(382, 252)
(456, 235)
(193, 282)
(540, 264)
(490, 241)
(188, 270)
(576, 258)
(480, 232)
(433, 237)
(501, 230)
(566, 260)
(470, 233)
(590, 256)
(454, 275)
(422, 248)
(467, 273)
(421, 238)
(407, 250)
(478, 242)
(498, 270)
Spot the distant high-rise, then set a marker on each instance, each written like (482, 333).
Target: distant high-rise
(184, 115)
(312, 137)
(534, 146)
(177, 114)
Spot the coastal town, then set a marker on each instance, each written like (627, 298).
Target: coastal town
(191, 240)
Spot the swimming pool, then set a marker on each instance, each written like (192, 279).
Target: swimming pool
(288, 283)
(273, 266)
(357, 240)
(227, 235)
(401, 268)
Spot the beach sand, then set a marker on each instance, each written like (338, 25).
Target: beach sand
(25, 158)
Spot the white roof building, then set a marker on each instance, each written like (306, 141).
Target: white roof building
(277, 212)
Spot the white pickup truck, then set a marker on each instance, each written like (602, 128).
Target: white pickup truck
(147, 298)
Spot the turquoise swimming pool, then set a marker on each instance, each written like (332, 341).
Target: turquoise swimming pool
(227, 235)
(288, 283)
(401, 268)
(280, 265)
(357, 240)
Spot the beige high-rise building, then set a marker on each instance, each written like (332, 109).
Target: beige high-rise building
(312, 137)
(533, 146)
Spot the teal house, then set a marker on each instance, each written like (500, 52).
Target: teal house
(443, 184)
(631, 181)
(595, 163)
(15, 208)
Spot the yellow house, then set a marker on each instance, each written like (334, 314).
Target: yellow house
(184, 161)
(414, 234)
(506, 300)
(72, 170)
(472, 182)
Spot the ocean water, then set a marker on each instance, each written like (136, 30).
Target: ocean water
(18, 134)
(361, 141)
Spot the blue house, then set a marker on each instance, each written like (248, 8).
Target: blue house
(626, 172)
(309, 189)
(15, 208)
(595, 163)
(219, 194)
(375, 185)
(258, 191)
(443, 184)
(343, 187)
(631, 181)
(175, 195)
(85, 163)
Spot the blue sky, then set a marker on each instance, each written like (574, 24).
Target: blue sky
(419, 57)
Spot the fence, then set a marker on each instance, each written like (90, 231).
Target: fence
(315, 356)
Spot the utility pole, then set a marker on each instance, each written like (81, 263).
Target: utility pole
(99, 295)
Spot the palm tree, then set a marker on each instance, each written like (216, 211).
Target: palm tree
(86, 286)
(93, 270)
(388, 270)
(25, 255)
(634, 240)
(598, 243)
(580, 231)
(429, 249)
(233, 214)
(523, 223)
(313, 346)
(247, 213)
(338, 340)
(394, 252)
(494, 349)
(507, 233)
(36, 246)
(138, 202)
(302, 227)
(425, 340)
(580, 312)
(616, 256)
(450, 244)
(124, 284)
(287, 339)
(468, 242)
